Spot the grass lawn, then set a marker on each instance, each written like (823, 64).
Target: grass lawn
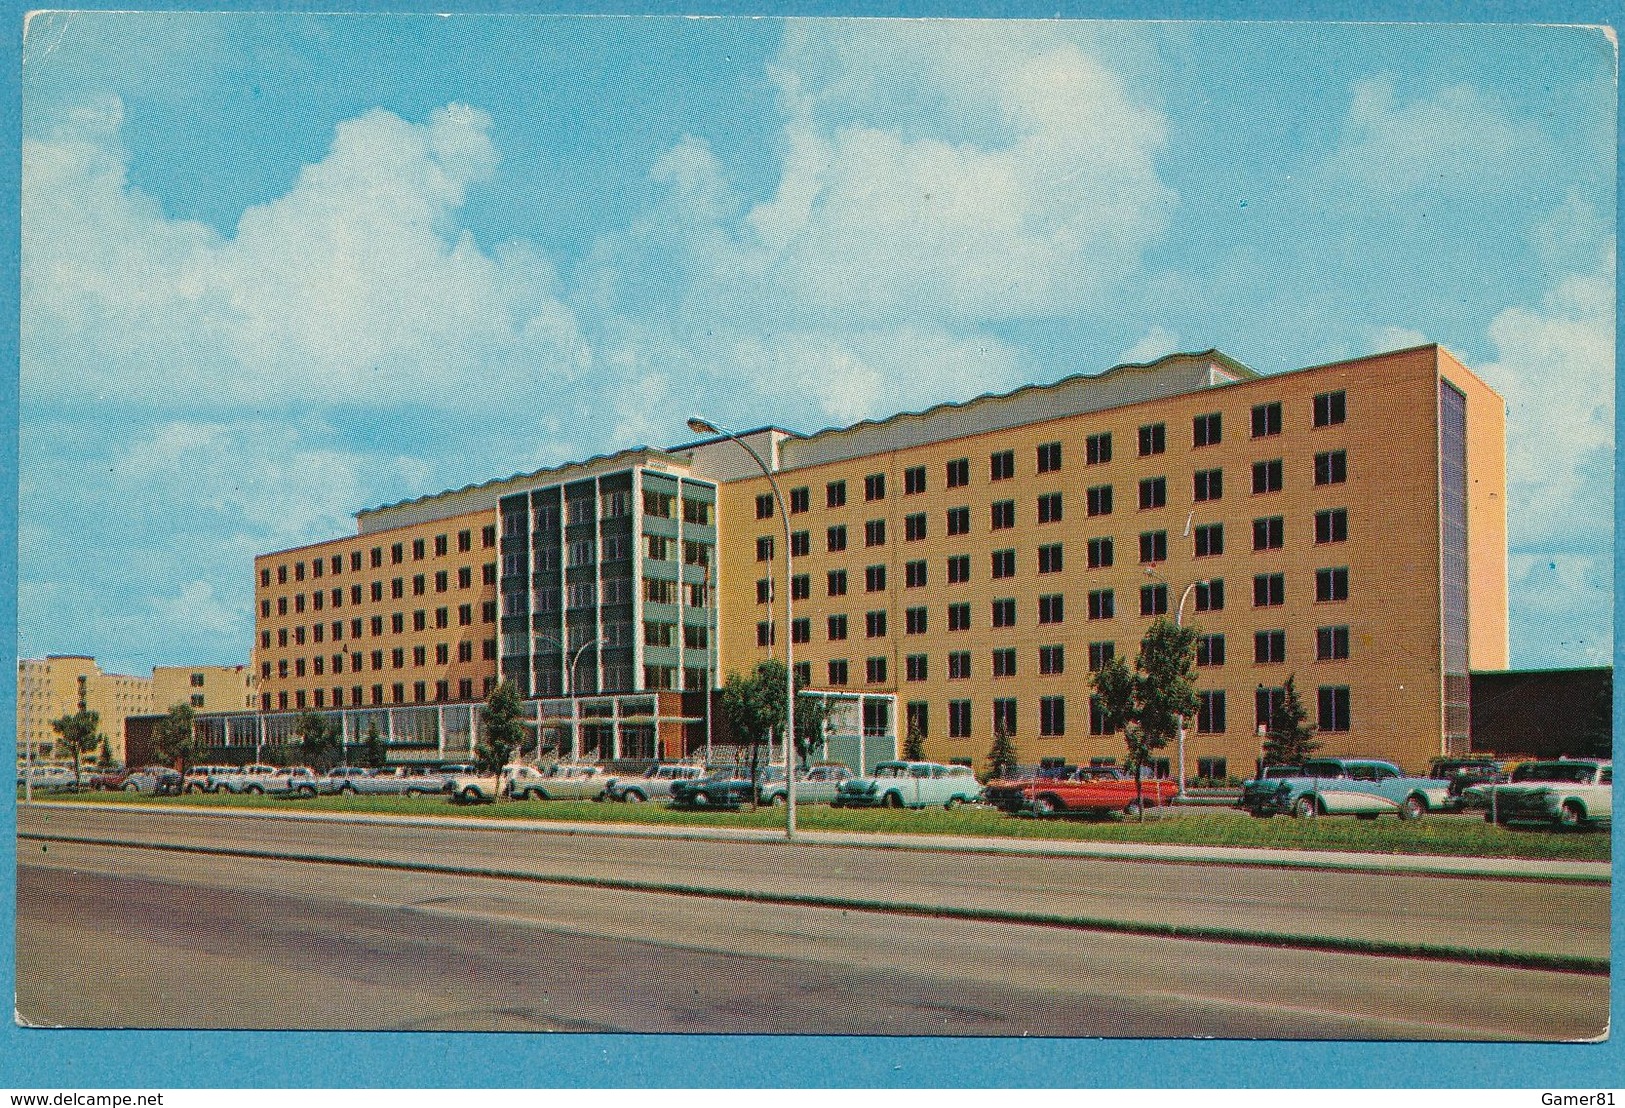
(1469, 837)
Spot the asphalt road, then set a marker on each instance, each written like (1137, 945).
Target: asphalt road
(125, 937)
(1482, 914)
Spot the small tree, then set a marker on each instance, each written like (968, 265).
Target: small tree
(321, 741)
(80, 733)
(104, 760)
(373, 751)
(1290, 738)
(175, 738)
(1150, 703)
(812, 723)
(753, 705)
(914, 744)
(1001, 756)
(502, 729)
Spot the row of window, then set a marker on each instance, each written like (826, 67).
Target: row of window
(397, 555)
(1332, 714)
(397, 625)
(319, 698)
(1269, 532)
(1206, 430)
(397, 591)
(320, 665)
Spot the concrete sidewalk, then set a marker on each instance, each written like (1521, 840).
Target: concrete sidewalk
(1427, 864)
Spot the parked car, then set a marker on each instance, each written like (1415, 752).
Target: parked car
(197, 778)
(1362, 787)
(909, 785)
(241, 779)
(1092, 789)
(814, 785)
(1569, 792)
(1463, 774)
(653, 783)
(562, 781)
(480, 788)
(49, 778)
(153, 780)
(360, 781)
(722, 787)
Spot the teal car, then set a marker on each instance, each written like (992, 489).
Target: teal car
(1361, 787)
(909, 785)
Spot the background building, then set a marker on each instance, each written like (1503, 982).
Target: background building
(205, 688)
(61, 684)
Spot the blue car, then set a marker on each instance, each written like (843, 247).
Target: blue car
(1361, 787)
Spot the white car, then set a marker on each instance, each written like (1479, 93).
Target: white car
(564, 781)
(654, 783)
(356, 780)
(909, 785)
(1569, 792)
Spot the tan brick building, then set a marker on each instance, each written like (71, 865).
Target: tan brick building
(1344, 523)
(62, 684)
(204, 688)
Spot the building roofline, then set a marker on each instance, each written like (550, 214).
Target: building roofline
(716, 439)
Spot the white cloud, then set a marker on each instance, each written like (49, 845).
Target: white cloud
(1154, 344)
(1380, 340)
(197, 611)
(355, 286)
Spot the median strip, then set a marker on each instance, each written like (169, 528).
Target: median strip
(1563, 963)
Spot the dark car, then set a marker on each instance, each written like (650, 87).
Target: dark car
(1463, 774)
(156, 779)
(722, 787)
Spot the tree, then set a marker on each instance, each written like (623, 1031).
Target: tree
(1150, 703)
(812, 722)
(321, 741)
(104, 760)
(80, 733)
(1290, 738)
(753, 705)
(175, 738)
(502, 729)
(1001, 756)
(373, 751)
(914, 744)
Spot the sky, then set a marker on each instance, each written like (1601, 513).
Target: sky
(280, 268)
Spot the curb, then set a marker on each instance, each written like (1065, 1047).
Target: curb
(1423, 865)
(1559, 963)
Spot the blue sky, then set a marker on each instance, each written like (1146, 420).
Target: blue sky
(279, 268)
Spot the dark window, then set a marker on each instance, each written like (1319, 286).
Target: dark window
(1210, 650)
(1334, 702)
(1100, 553)
(958, 473)
(1331, 468)
(1049, 457)
(914, 527)
(1269, 590)
(1049, 558)
(1153, 439)
(958, 665)
(959, 719)
(1004, 661)
(765, 633)
(798, 500)
(1097, 717)
(1206, 430)
(874, 487)
(1269, 533)
(800, 587)
(1004, 612)
(1004, 514)
(875, 671)
(1004, 714)
(835, 539)
(837, 672)
(1331, 644)
(1331, 584)
(874, 533)
(1049, 508)
(1099, 501)
(1266, 419)
(1001, 465)
(1102, 604)
(1004, 563)
(397, 554)
(914, 574)
(835, 494)
(959, 617)
(1210, 712)
(800, 544)
(764, 506)
(1208, 485)
(1097, 449)
(1209, 540)
(874, 578)
(1052, 716)
(1052, 660)
(958, 569)
(1329, 409)
(916, 667)
(1052, 608)
(1332, 525)
(1267, 476)
(1210, 595)
(1269, 647)
(835, 584)
(958, 521)
(913, 480)
(874, 624)
(1153, 600)
(465, 541)
(1099, 654)
(915, 620)
(837, 628)
(764, 590)
(1153, 492)
(1153, 547)
(764, 548)
(1266, 702)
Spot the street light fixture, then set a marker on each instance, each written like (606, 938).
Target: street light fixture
(702, 426)
(569, 687)
(1179, 621)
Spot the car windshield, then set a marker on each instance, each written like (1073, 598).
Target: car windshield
(1578, 772)
(891, 771)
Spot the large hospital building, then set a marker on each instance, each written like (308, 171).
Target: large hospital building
(965, 567)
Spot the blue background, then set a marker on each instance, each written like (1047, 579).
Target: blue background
(43, 1059)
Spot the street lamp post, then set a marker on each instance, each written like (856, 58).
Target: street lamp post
(706, 427)
(569, 687)
(1179, 621)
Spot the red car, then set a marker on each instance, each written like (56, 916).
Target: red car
(1091, 790)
